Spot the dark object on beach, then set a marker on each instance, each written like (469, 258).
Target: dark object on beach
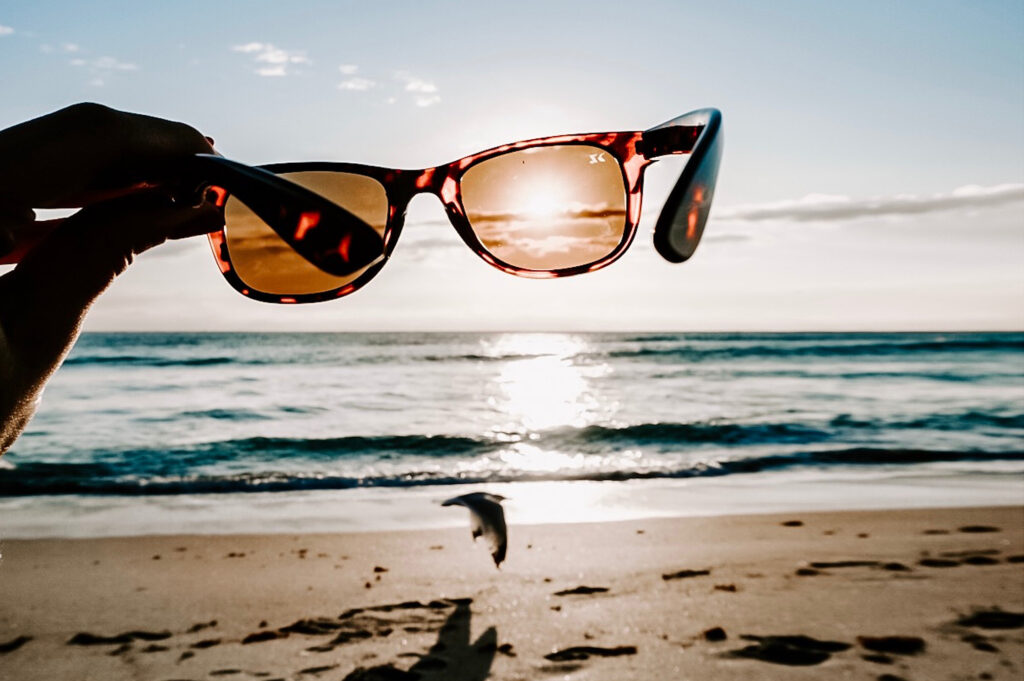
(890, 677)
(975, 529)
(715, 634)
(206, 643)
(582, 591)
(14, 644)
(84, 638)
(318, 670)
(186, 655)
(155, 648)
(383, 673)
(506, 649)
(378, 568)
(227, 672)
(798, 651)
(148, 635)
(586, 652)
(807, 572)
(685, 574)
(121, 649)
(938, 562)
(1015, 559)
(896, 645)
(487, 520)
(936, 532)
(993, 619)
(312, 627)
(200, 626)
(895, 567)
(793, 523)
(979, 642)
(863, 535)
(980, 560)
(261, 636)
(731, 588)
(824, 565)
(878, 659)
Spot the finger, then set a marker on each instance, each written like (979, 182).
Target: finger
(16, 240)
(57, 281)
(66, 158)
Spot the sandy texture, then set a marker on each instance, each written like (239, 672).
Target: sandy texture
(912, 595)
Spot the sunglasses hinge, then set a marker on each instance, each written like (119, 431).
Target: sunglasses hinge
(676, 139)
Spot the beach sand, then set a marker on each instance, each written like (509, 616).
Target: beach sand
(907, 594)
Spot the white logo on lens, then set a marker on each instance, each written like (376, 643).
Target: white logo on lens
(596, 158)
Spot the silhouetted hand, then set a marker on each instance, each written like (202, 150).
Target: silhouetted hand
(112, 165)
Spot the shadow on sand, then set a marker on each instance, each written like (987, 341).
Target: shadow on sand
(452, 658)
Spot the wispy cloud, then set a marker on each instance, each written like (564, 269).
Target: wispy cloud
(273, 61)
(832, 208)
(6, 30)
(354, 83)
(357, 84)
(100, 68)
(424, 92)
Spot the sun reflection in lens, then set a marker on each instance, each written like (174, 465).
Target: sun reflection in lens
(544, 200)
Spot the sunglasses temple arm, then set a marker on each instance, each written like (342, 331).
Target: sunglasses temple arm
(328, 236)
(681, 222)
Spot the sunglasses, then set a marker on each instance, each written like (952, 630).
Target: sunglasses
(341, 243)
(541, 208)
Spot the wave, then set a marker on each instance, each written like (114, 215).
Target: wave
(969, 420)
(156, 350)
(101, 479)
(796, 348)
(156, 361)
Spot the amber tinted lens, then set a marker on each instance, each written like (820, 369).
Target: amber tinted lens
(547, 208)
(265, 262)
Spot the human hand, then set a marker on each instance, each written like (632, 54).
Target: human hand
(112, 165)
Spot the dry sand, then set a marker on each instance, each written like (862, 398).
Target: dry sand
(949, 583)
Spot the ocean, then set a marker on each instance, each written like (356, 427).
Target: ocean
(246, 432)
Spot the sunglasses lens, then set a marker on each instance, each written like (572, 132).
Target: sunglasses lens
(547, 208)
(265, 262)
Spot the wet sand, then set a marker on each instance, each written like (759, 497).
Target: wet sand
(909, 594)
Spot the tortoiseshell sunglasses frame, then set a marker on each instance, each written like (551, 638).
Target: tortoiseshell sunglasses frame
(676, 234)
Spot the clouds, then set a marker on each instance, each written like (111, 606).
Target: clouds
(354, 83)
(5, 30)
(419, 91)
(424, 92)
(829, 208)
(273, 61)
(100, 68)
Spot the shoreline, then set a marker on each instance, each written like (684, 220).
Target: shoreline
(374, 509)
(188, 604)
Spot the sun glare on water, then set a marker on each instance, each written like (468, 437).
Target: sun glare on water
(542, 384)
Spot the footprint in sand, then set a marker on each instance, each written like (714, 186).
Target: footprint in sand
(893, 645)
(586, 652)
(799, 651)
(685, 574)
(582, 591)
(14, 644)
(994, 618)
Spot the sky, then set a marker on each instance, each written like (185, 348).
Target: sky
(872, 177)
